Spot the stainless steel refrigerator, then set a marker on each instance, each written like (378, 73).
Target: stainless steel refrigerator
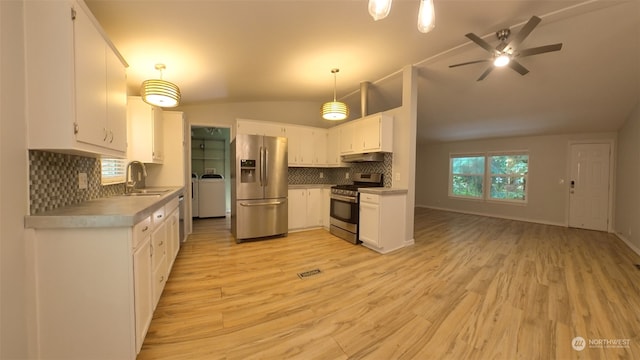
(259, 186)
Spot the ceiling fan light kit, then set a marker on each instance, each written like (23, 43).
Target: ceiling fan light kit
(160, 92)
(507, 52)
(379, 9)
(334, 110)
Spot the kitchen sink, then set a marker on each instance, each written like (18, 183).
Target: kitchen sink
(142, 194)
(148, 192)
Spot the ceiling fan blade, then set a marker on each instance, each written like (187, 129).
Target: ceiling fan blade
(486, 73)
(469, 63)
(539, 50)
(518, 67)
(523, 33)
(483, 44)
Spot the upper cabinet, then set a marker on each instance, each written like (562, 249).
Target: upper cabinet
(76, 82)
(254, 127)
(373, 133)
(146, 136)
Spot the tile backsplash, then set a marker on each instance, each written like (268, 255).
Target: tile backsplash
(300, 176)
(53, 180)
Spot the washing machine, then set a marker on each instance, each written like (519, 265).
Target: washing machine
(212, 200)
(194, 195)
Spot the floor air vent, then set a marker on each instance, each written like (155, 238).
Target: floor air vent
(309, 273)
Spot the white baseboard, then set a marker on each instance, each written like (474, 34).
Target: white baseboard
(629, 243)
(494, 215)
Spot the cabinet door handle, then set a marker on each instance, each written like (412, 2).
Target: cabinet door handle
(106, 134)
(162, 278)
(110, 136)
(159, 216)
(145, 228)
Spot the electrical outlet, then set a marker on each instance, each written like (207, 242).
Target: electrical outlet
(82, 180)
(397, 178)
(346, 175)
(321, 175)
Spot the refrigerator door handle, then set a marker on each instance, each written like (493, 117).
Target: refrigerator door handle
(266, 166)
(262, 203)
(261, 164)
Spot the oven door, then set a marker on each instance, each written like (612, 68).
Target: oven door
(344, 208)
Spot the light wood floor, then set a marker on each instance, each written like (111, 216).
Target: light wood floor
(470, 288)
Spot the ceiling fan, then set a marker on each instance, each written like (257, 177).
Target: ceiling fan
(507, 52)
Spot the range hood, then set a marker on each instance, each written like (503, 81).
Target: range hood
(364, 157)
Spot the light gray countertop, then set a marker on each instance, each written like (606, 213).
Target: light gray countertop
(113, 211)
(382, 191)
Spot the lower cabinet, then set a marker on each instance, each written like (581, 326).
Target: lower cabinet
(143, 293)
(305, 208)
(96, 288)
(381, 226)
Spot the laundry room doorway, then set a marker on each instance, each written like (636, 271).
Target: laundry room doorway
(210, 153)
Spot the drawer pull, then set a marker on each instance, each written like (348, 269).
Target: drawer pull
(145, 228)
(159, 216)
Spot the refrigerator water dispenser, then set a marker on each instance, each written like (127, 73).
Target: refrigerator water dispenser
(247, 171)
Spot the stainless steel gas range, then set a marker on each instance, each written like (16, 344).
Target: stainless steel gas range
(345, 205)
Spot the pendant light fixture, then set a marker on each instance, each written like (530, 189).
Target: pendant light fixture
(379, 9)
(159, 92)
(426, 16)
(334, 110)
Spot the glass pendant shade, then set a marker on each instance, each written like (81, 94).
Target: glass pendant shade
(159, 92)
(426, 16)
(379, 9)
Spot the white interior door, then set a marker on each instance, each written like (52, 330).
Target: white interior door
(589, 186)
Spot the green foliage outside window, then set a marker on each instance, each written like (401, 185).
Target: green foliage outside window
(467, 176)
(506, 178)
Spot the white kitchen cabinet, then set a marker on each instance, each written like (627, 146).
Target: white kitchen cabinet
(333, 147)
(159, 262)
(381, 226)
(173, 238)
(297, 199)
(307, 146)
(314, 207)
(94, 288)
(146, 135)
(326, 207)
(305, 208)
(256, 127)
(346, 138)
(76, 81)
(373, 133)
(142, 279)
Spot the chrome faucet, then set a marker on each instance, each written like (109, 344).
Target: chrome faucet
(130, 186)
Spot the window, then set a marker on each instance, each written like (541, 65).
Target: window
(503, 175)
(509, 177)
(113, 171)
(467, 175)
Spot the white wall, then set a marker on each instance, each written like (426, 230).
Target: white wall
(627, 206)
(13, 184)
(548, 166)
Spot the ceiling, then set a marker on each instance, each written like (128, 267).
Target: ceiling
(223, 51)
